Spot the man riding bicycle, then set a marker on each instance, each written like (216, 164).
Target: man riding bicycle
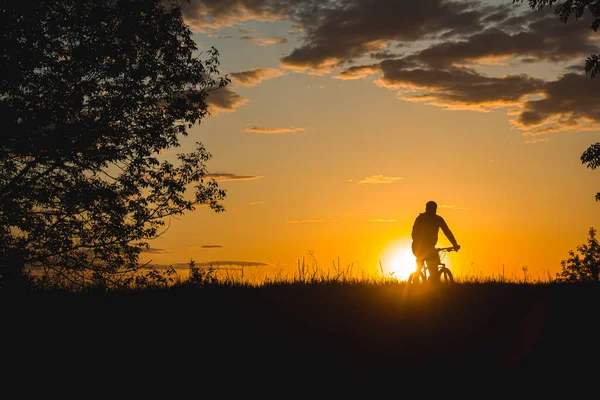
(425, 236)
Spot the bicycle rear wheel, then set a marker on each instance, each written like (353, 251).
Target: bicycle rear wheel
(417, 279)
(446, 275)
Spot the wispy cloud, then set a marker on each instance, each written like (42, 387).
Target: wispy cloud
(254, 76)
(225, 176)
(211, 246)
(260, 129)
(253, 203)
(154, 250)
(218, 264)
(451, 207)
(309, 221)
(379, 220)
(232, 263)
(379, 179)
(264, 41)
(538, 140)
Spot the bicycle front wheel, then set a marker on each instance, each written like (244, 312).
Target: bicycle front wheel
(446, 275)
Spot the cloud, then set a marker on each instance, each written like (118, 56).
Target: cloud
(206, 15)
(224, 99)
(258, 129)
(341, 31)
(224, 176)
(537, 106)
(538, 140)
(253, 203)
(544, 39)
(383, 55)
(255, 76)
(308, 221)
(264, 41)
(450, 41)
(379, 179)
(358, 71)
(451, 207)
(334, 32)
(153, 250)
(456, 88)
(568, 103)
(232, 263)
(211, 246)
(220, 264)
(379, 220)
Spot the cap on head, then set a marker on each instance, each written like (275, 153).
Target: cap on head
(431, 207)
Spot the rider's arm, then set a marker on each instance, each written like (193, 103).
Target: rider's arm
(448, 232)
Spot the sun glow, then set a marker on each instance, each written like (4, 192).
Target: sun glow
(398, 260)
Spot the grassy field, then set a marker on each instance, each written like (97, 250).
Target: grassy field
(343, 326)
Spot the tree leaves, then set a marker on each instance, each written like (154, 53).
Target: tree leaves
(91, 93)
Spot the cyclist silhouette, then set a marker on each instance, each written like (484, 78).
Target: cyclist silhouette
(425, 236)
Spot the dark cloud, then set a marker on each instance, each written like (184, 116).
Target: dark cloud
(219, 177)
(358, 71)
(259, 129)
(224, 99)
(212, 246)
(335, 32)
(443, 74)
(215, 14)
(458, 88)
(570, 102)
(384, 55)
(255, 76)
(153, 250)
(537, 106)
(546, 39)
(450, 39)
(352, 29)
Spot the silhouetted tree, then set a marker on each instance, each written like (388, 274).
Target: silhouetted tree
(92, 94)
(591, 157)
(583, 266)
(564, 11)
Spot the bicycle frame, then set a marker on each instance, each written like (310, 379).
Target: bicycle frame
(443, 271)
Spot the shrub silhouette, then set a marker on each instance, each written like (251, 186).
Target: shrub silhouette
(583, 266)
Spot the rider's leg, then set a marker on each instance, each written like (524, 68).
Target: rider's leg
(433, 261)
(420, 265)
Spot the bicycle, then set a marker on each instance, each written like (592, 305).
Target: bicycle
(444, 272)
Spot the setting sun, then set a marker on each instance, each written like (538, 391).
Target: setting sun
(398, 260)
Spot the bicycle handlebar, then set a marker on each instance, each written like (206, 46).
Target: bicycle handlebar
(445, 248)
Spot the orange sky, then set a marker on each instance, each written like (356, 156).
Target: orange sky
(341, 123)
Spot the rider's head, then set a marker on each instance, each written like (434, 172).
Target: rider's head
(431, 207)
